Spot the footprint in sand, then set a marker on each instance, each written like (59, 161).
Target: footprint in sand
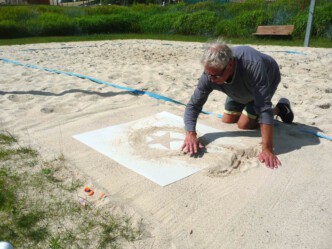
(20, 98)
(60, 108)
(47, 109)
(328, 90)
(325, 106)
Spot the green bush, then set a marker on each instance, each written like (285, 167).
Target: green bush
(242, 25)
(281, 17)
(322, 21)
(11, 29)
(300, 24)
(55, 24)
(198, 23)
(34, 28)
(236, 9)
(180, 7)
(329, 33)
(285, 6)
(229, 28)
(8, 29)
(162, 24)
(17, 13)
(74, 12)
(206, 18)
(107, 24)
(250, 20)
(49, 9)
(150, 9)
(105, 10)
(210, 6)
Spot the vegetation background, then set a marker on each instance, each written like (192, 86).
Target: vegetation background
(207, 19)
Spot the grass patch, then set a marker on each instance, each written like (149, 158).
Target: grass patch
(7, 139)
(100, 37)
(314, 42)
(40, 205)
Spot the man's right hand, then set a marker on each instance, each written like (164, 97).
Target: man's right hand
(191, 144)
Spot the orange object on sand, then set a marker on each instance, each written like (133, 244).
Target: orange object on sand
(91, 193)
(102, 195)
(87, 189)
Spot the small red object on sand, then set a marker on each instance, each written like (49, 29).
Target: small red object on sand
(87, 189)
(91, 193)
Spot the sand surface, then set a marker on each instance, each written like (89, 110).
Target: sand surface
(234, 202)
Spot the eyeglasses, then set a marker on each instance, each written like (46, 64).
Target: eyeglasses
(216, 76)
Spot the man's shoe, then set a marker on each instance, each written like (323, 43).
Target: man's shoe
(285, 112)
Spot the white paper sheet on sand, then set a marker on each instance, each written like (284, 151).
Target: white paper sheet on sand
(128, 143)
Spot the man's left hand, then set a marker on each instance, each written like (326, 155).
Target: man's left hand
(270, 160)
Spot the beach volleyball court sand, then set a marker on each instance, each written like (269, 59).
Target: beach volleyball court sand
(232, 201)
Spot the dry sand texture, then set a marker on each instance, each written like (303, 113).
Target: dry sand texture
(246, 206)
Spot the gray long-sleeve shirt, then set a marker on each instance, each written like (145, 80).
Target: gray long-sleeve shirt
(255, 78)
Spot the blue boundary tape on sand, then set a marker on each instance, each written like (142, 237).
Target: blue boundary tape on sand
(317, 134)
(129, 89)
(133, 90)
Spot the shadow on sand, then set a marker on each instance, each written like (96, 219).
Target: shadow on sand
(45, 93)
(287, 137)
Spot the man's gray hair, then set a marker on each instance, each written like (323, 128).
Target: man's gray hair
(216, 55)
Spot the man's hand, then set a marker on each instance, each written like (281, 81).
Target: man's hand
(267, 156)
(270, 160)
(191, 144)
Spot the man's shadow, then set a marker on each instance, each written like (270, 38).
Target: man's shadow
(287, 137)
